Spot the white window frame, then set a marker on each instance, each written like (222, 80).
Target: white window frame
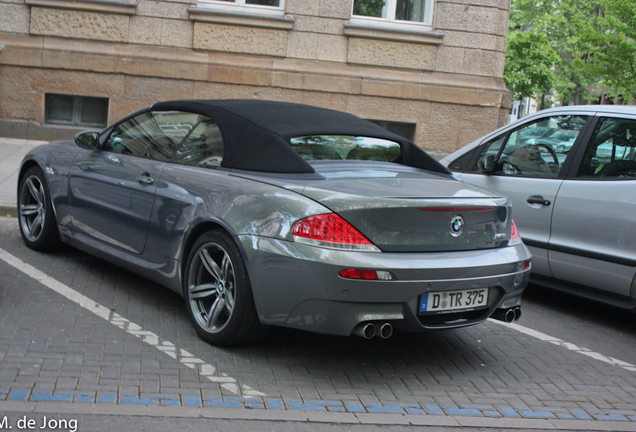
(388, 20)
(239, 6)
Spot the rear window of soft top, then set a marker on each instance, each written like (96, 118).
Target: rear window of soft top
(346, 147)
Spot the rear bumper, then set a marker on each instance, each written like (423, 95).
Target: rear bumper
(298, 286)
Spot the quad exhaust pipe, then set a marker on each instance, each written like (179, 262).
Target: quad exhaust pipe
(507, 315)
(369, 330)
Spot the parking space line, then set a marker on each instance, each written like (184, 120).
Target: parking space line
(570, 346)
(182, 356)
(414, 412)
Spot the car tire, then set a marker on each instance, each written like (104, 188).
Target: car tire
(35, 212)
(218, 292)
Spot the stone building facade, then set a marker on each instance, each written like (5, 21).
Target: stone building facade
(441, 78)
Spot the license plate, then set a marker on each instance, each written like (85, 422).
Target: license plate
(453, 300)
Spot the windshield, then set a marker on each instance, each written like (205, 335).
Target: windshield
(346, 147)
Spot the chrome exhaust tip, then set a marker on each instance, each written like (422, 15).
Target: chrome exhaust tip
(517, 313)
(506, 315)
(365, 330)
(386, 331)
(510, 315)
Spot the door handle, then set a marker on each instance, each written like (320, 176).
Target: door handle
(537, 199)
(145, 179)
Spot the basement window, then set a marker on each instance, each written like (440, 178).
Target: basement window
(73, 110)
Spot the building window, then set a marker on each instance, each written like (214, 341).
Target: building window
(76, 110)
(405, 130)
(394, 11)
(267, 7)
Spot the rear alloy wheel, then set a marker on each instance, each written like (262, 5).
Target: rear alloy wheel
(218, 292)
(35, 212)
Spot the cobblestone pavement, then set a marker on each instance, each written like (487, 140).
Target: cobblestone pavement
(79, 335)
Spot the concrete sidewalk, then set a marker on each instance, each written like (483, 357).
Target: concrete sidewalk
(12, 150)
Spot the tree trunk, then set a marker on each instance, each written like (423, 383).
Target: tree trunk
(577, 96)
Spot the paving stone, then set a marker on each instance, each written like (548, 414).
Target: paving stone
(482, 366)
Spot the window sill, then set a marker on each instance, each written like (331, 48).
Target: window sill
(104, 6)
(199, 14)
(393, 32)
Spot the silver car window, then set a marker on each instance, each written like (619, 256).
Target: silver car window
(538, 149)
(152, 134)
(338, 147)
(611, 152)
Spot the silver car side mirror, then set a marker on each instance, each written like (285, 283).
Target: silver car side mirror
(87, 140)
(486, 164)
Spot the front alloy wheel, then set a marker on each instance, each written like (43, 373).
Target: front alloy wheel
(218, 292)
(35, 212)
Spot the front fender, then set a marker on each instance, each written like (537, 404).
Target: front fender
(54, 159)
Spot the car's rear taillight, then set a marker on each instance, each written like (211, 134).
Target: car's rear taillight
(332, 231)
(515, 238)
(515, 233)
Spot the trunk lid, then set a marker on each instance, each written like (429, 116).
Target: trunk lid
(403, 209)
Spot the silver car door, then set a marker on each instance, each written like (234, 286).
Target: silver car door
(532, 200)
(529, 160)
(593, 239)
(111, 197)
(113, 188)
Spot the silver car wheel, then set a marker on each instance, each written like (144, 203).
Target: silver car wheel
(218, 292)
(211, 287)
(32, 208)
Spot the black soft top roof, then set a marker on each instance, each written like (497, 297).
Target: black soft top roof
(256, 133)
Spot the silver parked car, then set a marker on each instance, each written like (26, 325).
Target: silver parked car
(574, 195)
(266, 213)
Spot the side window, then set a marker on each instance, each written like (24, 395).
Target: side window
(493, 146)
(611, 152)
(152, 134)
(538, 149)
(203, 146)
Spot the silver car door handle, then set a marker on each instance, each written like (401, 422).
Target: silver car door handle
(537, 199)
(145, 179)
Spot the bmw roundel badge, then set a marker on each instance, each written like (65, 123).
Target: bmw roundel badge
(456, 226)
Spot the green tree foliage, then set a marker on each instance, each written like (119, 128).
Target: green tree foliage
(530, 62)
(561, 24)
(613, 37)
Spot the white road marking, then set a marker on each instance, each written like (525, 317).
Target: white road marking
(182, 356)
(570, 346)
(207, 370)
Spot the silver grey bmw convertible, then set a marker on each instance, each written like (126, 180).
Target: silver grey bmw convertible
(267, 213)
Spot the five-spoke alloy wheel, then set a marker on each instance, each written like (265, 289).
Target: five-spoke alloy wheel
(35, 212)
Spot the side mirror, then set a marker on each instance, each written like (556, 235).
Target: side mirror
(486, 164)
(87, 140)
